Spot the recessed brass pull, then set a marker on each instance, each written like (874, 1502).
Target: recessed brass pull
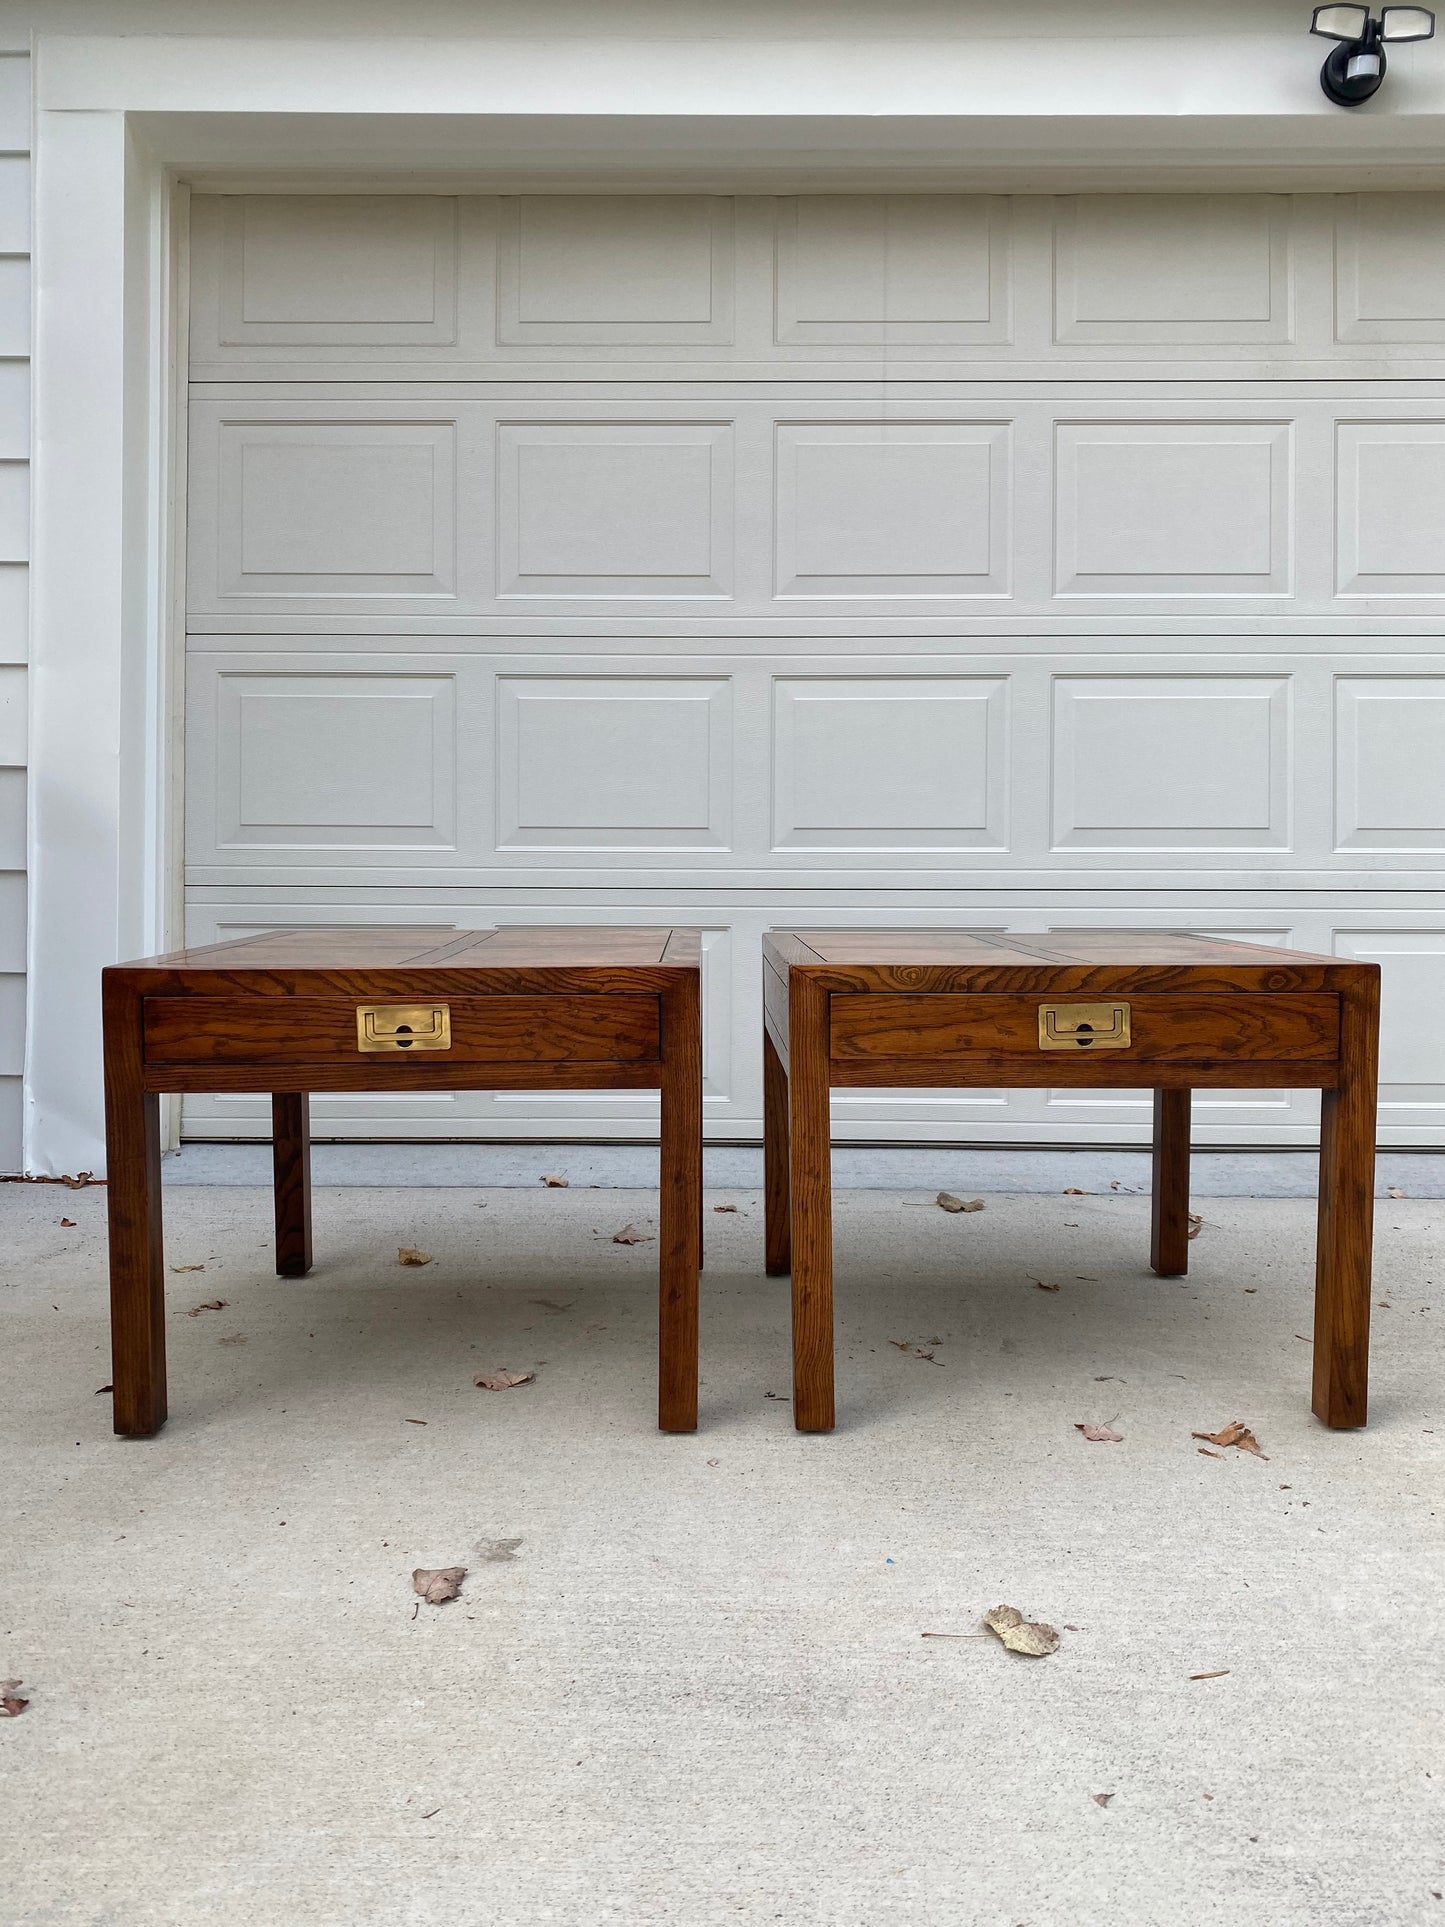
(403, 1027)
(1084, 1027)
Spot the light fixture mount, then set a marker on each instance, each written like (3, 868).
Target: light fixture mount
(1355, 67)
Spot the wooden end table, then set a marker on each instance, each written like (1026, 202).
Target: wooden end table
(296, 1011)
(1106, 1008)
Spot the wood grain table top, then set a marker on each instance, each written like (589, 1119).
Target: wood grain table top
(1049, 961)
(964, 946)
(364, 961)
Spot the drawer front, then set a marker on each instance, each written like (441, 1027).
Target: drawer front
(1173, 1028)
(324, 1030)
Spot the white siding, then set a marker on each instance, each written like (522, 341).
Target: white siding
(14, 553)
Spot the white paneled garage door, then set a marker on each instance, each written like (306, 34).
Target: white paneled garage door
(844, 559)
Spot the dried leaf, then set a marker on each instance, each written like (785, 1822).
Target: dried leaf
(1205, 1453)
(409, 1255)
(1394, 1191)
(1099, 1434)
(946, 1201)
(207, 1304)
(1113, 1184)
(724, 1207)
(80, 1180)
(11, 1705)
(1044, 1286)
(1221, 1674)
(68, 1223)
(554, 1181)
(1101, 1799)
(1235, 1433)
(188, 1267)
(103, 1388)
(630, 1235)
(1020, 1635)
(1196, 1224)
(1073, 1191)
(438, 1584)
(502, 1380)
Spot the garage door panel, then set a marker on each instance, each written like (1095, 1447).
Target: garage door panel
(413, 506)
(492, 758)
(893, 268)
(1390, 273)
(1189, 269)
(606, 285)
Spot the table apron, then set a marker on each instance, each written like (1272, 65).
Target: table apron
(1117, 1071)
(434, 1073)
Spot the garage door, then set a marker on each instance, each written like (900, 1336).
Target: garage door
(761, 561)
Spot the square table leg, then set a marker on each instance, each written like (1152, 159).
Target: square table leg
(680, 1207)
(291, 1168)
(133, 1202)
(1169, 1202)
(777, 1190)
(1346, 1216)
(811, 1184)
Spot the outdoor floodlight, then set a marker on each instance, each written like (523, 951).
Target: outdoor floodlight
(1354, 69)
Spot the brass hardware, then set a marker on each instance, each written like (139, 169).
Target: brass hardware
(1084, 1027)
(403, 1027)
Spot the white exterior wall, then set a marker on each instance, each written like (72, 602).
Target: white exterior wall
(14, 553)
(785, 97)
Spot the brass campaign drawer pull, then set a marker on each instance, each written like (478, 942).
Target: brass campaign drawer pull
(403, 1027)
(1084, 1027)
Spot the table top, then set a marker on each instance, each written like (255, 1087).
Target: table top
(964, 946)
(1052, 962)
(452, 961)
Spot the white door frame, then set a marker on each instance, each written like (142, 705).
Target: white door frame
(122, 124)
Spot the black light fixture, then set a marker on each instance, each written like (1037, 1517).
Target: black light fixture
(1354, 69)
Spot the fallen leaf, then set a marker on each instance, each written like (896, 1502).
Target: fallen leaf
(946, 1201)
(554, 1181)
(68, 1223)
(437, 1584)
(724, 1207)
(901, 1343)
(1101, 1799)
(1394, 1191)
(1099, 1434)
(11, 1705)
(630, 1235)
(714, 1461)
(1196, 1224)
(188, 1267)
(502, 1380)
(207, 1304)
(103, 1388)
(1205, 1453)
(1223, 1670)
(1021, 1635)
(1235, 1433)
(80, 1180)
(1073, 1191)
(1113, 1184)
(409, 1255)
(1045, 1287)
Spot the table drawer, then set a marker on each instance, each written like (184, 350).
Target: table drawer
(323, 1030)
(1175, 1028)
